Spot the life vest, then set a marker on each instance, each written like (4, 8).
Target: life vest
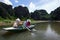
(27, 24)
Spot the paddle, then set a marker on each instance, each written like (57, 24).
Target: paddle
(28, 29)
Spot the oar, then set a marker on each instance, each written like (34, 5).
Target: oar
(28, 28)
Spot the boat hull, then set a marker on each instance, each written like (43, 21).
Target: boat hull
(12, 29)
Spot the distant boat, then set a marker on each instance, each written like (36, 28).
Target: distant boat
(12, 29)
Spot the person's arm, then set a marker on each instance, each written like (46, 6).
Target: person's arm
(21, 22)
(27, 26)
(28, 29)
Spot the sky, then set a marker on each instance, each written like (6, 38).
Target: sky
(48, 5)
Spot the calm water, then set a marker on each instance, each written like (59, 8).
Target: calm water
(44, 31)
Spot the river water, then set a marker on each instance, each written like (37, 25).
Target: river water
(42, 31)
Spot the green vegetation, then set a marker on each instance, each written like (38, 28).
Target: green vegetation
(8, 13)
(40, 15)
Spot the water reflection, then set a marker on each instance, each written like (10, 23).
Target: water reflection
(42, 31)
(33, 32)
(56, 27)
(51, 34)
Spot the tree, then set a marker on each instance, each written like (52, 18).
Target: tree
(21, 12)
(3, 13)
(40, 15)
(6, 11)
(55, 15)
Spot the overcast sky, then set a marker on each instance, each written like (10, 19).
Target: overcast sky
(48, 5)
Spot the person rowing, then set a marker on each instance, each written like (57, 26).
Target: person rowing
(16, 23)
(26, 24)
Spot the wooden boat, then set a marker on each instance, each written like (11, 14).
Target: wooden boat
(13, 29)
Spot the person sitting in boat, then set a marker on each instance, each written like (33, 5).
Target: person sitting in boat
(28, 22)
(16, 23)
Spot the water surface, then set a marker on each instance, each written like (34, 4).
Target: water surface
(44, 31)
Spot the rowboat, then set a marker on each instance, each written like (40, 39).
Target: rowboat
(13, 29)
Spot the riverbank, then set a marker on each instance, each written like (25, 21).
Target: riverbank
(6, 23)
(38, 21)
(43, 21)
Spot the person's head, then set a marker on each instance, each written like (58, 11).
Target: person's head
(18, 20)
(28, 20)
